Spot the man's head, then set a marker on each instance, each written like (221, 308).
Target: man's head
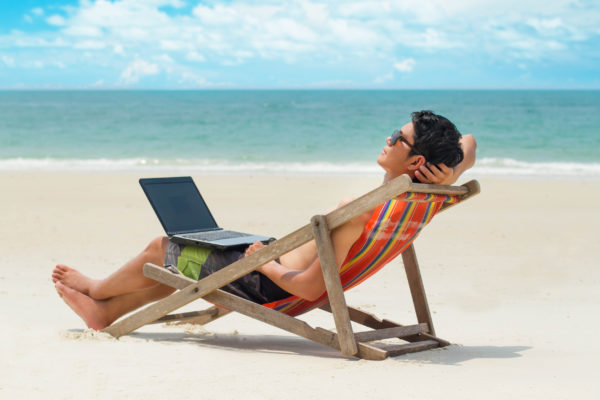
(427, 138)
(436, 138)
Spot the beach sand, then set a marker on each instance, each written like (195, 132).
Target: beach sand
(511, 276)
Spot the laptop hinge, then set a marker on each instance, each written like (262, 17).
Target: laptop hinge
(195, 231)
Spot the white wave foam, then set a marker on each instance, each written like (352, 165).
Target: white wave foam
(191, 166)
(504, 167)
(512, 167)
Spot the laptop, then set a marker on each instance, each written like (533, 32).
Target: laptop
(186, 218)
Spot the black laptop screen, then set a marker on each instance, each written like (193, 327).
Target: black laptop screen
(178, 204)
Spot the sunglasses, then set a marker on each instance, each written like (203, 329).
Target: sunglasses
(397, 135)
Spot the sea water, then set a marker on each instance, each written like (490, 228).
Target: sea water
(519, 133)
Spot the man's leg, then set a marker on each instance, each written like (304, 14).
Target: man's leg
(126, 279)
(98, 314)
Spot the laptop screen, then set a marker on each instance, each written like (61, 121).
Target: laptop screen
(178, 204)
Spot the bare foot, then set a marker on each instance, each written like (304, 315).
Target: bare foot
(72, 278)
(90, 310)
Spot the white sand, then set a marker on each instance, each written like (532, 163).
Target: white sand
(512, 277)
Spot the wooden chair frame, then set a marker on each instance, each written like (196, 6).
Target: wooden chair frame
(420, 336)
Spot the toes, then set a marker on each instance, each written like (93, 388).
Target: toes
(56, 276)
(60, 272)
(57, 270)
(59, 288)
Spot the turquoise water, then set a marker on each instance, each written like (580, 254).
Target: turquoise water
(526, 132)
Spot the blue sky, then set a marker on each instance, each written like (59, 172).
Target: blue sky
(413, 44)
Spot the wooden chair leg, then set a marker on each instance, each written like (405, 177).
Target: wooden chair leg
(417, 290)
(333, 284)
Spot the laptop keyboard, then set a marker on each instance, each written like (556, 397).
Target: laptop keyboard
(214, 235)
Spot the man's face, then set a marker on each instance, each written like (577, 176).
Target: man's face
(395, 159)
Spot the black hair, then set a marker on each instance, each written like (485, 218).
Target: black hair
(436, 138)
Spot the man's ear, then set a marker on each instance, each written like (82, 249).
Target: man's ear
(416, 162)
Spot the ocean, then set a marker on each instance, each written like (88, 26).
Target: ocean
(519, 133)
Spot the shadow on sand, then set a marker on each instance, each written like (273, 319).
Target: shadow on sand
(273, 344)
(450, 355)
(456, 354)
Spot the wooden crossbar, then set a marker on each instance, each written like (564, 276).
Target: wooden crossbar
(194, 317)
(438, 189)
(371, 321)
(387, 333)
(398, 350)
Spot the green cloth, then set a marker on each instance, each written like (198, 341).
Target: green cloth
(191, 260)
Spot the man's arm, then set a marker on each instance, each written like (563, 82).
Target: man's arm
(443, 175)
(308, 283)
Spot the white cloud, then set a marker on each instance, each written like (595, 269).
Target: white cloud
(362, 9)
(172, 3)
(291, 31)
(56, 20)
(384, 78)
(58, 64)
(434, 39)
(315, 13)
(195, 56)
(355, 34)
(187, 78)
(545, 25)
(174, 45)
(8, 61)
(80, 30)
(237, 58)
(164, 58)
(90, 45)
(217, 15)
(137, 70)
(36, 12)
(405, 65)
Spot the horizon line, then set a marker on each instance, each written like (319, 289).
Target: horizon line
(79, 89)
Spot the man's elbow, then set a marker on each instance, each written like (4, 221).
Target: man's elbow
(312, 293)
(471, 142)
(469, 146)
(312, 297)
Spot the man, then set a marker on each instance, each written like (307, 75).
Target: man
(429, 149)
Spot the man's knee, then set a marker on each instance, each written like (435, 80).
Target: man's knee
(360, 220)
(344, 202)
(157, 247)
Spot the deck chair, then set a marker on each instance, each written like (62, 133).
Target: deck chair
(421, 201)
